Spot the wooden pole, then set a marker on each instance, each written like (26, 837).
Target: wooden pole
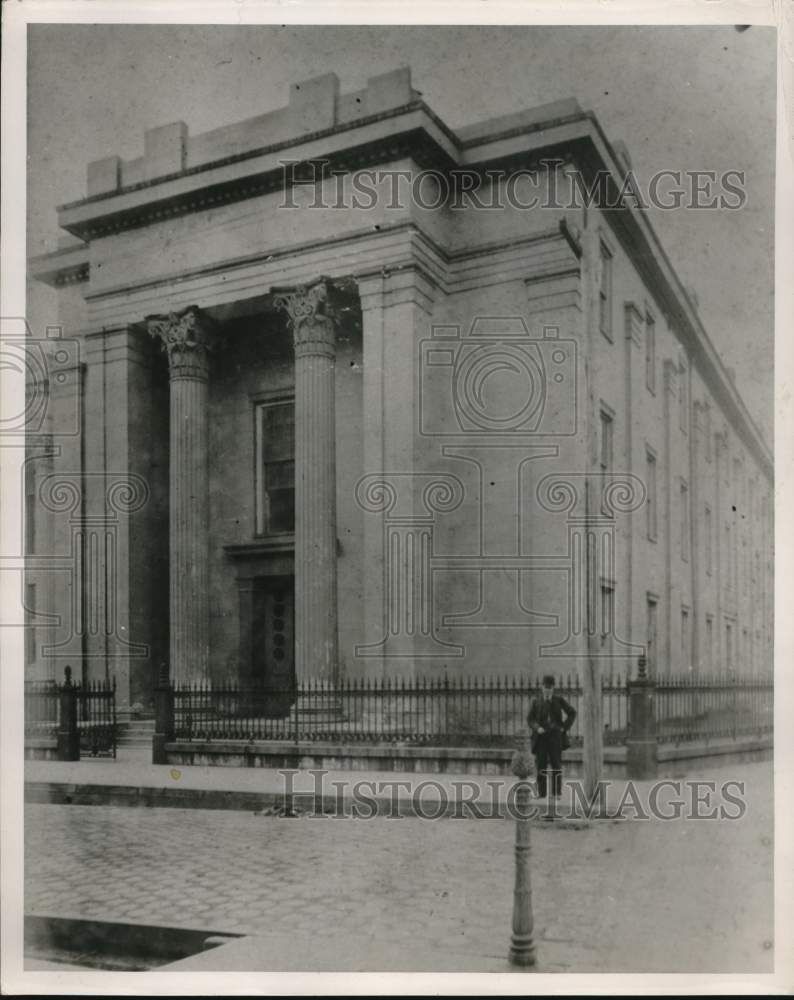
(522, 944)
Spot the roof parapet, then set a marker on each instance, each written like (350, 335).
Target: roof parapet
(314, 105)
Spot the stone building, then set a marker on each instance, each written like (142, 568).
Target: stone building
(308, 415)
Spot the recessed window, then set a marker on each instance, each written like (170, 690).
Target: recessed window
(650, 486)
(707, 529)
(683, 399)
(30, 631)
(30, 508)
(707, 432)
(710, 641)
(686, 649)
(737, 487)
(607, 439)
(651, 624)
(607, 613)
(275, 468)
(650, 352)
(605, 292)
(684, 521)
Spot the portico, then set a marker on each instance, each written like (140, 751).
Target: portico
(189, 338)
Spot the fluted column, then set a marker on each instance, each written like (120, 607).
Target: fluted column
(186, 336)
(314, 335)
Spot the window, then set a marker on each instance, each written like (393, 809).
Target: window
(30, 507)
(650, 352)
(607, 613)
(727, 572)
(650, 485)
(737, 485)
(605, 292)
(707, 432)
(684, 521)
(728, 647)
(710, 641)
(686, 654)
(275, 468)
(683, 399)
(30, 632)
(651, 607)
(707, 532)
(607, 429)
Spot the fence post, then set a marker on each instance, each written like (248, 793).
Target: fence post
(163, 716)
(68, 733)
(641, 744)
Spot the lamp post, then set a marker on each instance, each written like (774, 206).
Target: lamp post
(522, 945)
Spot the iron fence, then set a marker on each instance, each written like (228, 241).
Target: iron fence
(96, 717)
(74, 715)
(471, 712)
(706, 707)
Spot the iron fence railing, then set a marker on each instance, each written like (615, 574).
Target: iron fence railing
(74, 715)
(96, 717)
(430, 712)
(706, 707)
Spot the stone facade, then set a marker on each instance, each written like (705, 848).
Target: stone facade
(505, 458)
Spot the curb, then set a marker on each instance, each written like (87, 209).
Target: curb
(294, 805)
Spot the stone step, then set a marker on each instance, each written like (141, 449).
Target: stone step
(308, 710)
(135, 733)
(318, 718)
(318, 705)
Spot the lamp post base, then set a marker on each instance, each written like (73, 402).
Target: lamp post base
(522, 952)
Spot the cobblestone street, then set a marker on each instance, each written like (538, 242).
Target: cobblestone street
(616, 896)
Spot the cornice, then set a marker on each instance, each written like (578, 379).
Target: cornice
(111, 215)
(424, 137)
(65, 266)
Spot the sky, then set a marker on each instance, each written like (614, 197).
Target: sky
(688, 98)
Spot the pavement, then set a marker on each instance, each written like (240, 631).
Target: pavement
(400, 893)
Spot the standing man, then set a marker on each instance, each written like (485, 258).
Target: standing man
(550, 735)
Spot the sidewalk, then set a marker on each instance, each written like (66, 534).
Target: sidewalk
(134, 781)
(316, 893)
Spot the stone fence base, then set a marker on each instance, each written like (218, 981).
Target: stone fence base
(41, 748)
(447, 760)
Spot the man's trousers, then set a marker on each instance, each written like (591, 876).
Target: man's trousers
(548, 757)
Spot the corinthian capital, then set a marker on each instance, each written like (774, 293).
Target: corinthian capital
(187, 338)
(311, 316)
